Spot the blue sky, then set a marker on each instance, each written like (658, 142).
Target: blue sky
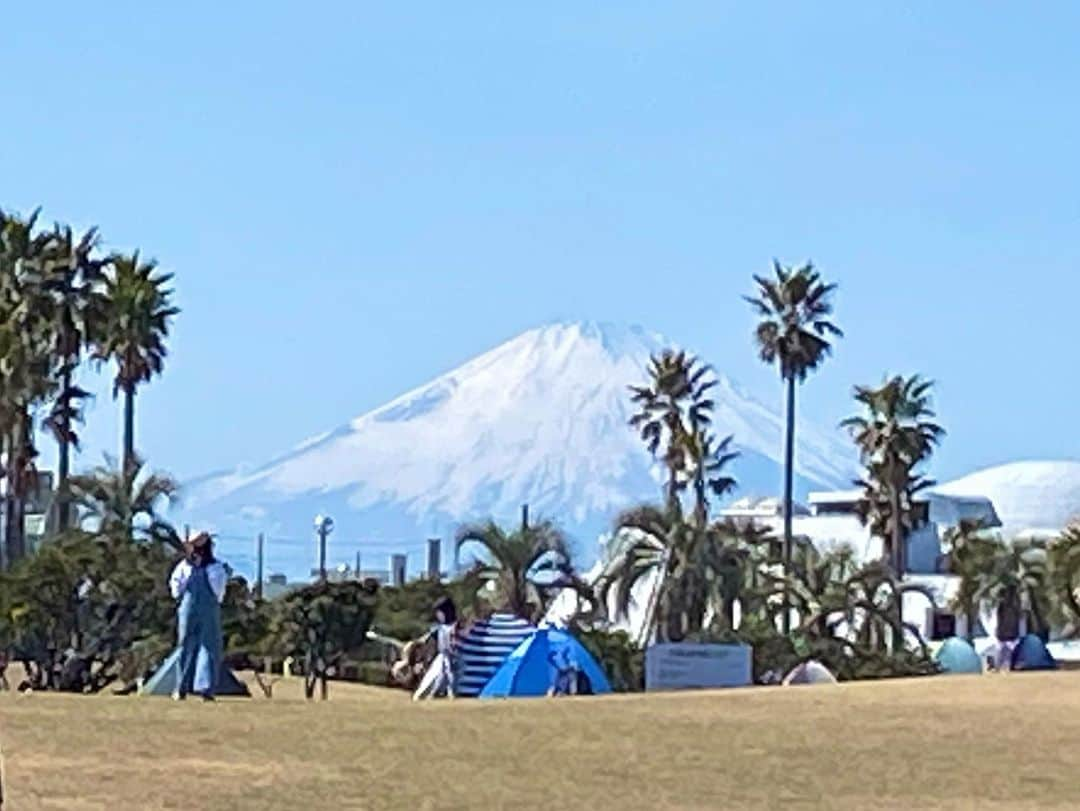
(357, 197)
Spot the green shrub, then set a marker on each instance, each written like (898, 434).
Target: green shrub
(622, 661)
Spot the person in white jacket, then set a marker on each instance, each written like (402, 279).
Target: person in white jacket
(198, 585)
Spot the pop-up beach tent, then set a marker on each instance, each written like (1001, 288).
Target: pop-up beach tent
(1030, 653)
(957, 655)
(809, 672)
(164, 680)
(536, 665)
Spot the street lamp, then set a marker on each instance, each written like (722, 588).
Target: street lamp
(324, 525)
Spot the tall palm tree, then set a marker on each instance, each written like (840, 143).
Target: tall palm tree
(1064, 558)
(126, 502)
(526, 565)
(137, 313)
(794, 332)
(971, 551)
(675, 394)
(70, 286)
(25, 380)
(894, 436)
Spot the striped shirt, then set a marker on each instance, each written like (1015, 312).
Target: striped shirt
(484, 647)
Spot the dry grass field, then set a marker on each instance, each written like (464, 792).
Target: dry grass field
(1009, 741)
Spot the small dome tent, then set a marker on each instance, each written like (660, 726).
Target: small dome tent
(547, 659)
(1030, 653)
(809, 672)
(956, 655)
(165, 679)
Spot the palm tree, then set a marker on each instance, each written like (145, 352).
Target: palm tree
(1015, 581)
(817, 586)
(1064, 559)
(794, 332)
(137, 312)
(696, 571)
(707, 462)
(676, 393)
(125, 502)
(525, 565)
(894, 436)
(25, 381)
(70, 282)
(971, 551)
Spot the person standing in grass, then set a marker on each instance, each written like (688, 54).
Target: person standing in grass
(198, 585)
(445, 638)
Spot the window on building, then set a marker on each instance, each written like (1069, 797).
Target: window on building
(942, 625)
(836, 508)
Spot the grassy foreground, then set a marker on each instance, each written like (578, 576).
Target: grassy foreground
(1001, 741)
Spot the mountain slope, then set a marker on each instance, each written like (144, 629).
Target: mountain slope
(541, 419)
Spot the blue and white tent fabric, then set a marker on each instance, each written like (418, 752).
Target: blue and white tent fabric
(545, 660)
(957, 655)
(1030, 653)
(166, 678)
(484, 647)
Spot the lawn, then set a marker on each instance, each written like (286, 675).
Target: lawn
(998, 741)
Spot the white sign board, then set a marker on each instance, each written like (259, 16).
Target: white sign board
(685, 665)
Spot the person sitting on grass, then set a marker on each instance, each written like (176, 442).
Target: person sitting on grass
(198, 585)
(570, 679)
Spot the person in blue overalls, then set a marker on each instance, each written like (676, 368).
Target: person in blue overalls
(198, 584)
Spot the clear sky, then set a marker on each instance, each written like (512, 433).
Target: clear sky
(356, 197)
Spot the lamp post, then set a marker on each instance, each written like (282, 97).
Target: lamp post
(324, 525)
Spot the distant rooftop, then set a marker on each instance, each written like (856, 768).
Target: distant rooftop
(760, 507)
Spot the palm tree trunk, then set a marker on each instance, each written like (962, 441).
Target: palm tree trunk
(673, 492)
(63, 465)
(14, 506)
(129, 426)
(789, 479)
(8, 501)
(897, 565)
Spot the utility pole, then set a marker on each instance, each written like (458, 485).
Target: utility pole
(187, 532)
(259, 567)
(524, 517)
(358, 564)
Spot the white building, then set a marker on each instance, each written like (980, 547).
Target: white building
(1022, 499)
(831, 519)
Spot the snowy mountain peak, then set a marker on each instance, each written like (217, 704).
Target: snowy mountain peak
(540, 419)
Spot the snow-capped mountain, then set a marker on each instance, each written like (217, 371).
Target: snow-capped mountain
(541, 419)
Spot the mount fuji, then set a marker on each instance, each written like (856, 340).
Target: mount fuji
(541, 419)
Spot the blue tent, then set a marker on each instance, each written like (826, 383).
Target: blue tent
(1030, 653)
(537, 664)
(956, 655)
(164, 680)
